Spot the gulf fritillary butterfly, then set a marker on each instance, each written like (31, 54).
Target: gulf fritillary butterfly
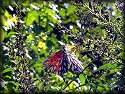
(60, 60)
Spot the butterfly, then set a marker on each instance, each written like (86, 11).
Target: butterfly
(62, 61)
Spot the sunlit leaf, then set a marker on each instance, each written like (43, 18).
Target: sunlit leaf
(29, 37)
(7, 70)
(52, 19)
(43, 22)
(10, 33)
(62, 12)
(122, 54)
(6, 14)
(100, 88)
(71, 85)
(36, 82)
(71, 9)
(35, 49)
(31, 17)
(82, 78)
(50, 12)
(108, 66)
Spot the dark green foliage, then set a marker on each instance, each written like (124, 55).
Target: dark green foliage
(93, 27)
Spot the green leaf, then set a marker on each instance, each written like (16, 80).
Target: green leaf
(104, 33)
(62, 12)
(74, 17)
(43, 22)
(12, 86)
(7, 70)
(35, 48)
(99, 88)
(4, 21)
(6, 14)
(50, 12)
(31, 17)
(50, 42)
(97, 29)
(108, 66)
(36, 82)
(82, 78)
(37, 65)
(15, 86)
(87, 71)
(29, 37)
(122, 54)
(10, 33)
(25, 3)
(51, 19)
(71, 9)
(66, 38)
(118, 14)
(69, 75)
(7, 78)
(48, 28)
(71, 85)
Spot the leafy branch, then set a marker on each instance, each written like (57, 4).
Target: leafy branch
(104, 21)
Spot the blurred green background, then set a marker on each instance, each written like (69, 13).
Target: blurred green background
(94, 27)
